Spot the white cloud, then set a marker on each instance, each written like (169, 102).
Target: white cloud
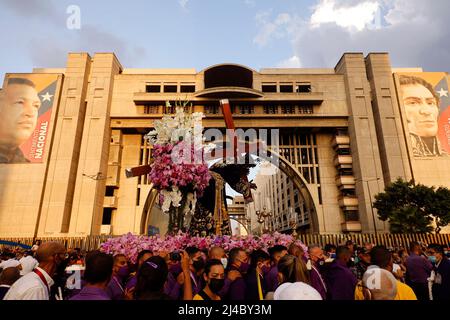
(250, 3)
(270, 29)
(183, 3)
(292, 62)
(414, 32)
(356, 17)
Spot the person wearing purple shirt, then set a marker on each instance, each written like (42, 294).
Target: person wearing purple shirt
(115, 288)
(97, 275)
(418, 270)
(276, 253)
(238, 261)
(317, 259)
(142, 256)
(339, 279)
(174, 286)
(219, 254)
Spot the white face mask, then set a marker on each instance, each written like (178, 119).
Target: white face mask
(224, 262)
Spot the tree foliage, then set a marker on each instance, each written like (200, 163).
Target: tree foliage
(411, 208)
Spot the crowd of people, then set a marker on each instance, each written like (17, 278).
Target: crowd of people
(347, 272)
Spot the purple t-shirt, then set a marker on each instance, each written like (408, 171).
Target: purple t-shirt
(91, 293)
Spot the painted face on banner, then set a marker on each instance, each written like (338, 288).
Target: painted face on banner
(19, 106)
(421, 109)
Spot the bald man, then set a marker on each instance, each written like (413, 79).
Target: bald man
(36, 285)
(7, 279)
(219, 254)
(379, 284)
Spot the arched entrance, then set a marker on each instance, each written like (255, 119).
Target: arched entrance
(283, 164)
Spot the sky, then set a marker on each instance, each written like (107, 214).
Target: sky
(200, 33)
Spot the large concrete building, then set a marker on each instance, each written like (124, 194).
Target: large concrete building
(344, 134)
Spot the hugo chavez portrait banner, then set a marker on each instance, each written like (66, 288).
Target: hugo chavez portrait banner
(26, 104)
(425, 100)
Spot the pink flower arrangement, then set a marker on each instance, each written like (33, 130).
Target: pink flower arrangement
(130, 245)
(172, 167)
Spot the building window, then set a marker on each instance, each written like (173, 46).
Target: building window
(109, 192)
(246, 109)
(107, 214)
(187, 88)
(303, 87)
(287, 109)
(319, 191)
(153, 88)
(149, 109)
(269, 87)
(286, 88)
(270, 109)
(305, 109)
(170, 88)
(212, 109)
(169, 109)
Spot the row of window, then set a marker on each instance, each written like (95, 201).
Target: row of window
(266, 87)
(286, 88)
(244, 109)
(169, 88)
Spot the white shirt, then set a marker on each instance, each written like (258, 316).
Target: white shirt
(9, 263)
(28, 264)
(30, 287)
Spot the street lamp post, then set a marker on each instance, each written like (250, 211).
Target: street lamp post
(263, 216)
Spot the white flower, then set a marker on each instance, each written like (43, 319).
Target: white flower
(173, 198)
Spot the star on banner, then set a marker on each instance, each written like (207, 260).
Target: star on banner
(443, 93)
(46, 97)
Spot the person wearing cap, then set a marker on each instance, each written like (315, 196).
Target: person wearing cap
(27, 263)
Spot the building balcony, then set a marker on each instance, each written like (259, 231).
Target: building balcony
(351, 226)
(341, 140)
(113, 175)
(110, 202)
(343, 160)
(345, 182)
(348, 203)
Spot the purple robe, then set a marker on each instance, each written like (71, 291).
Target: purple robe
(223, 292)
(340, 281)
(272, 279)
(237, 288)
(91, 293)
(418, 268)
(318, 283)
(115, 289)
(131, 283)
(175, 291)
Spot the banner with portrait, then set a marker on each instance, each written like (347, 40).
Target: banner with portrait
(26, 105)
(425, 102)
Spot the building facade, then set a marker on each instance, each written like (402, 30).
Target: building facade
(344, 133)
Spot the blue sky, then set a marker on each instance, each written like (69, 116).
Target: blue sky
(200, 33)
